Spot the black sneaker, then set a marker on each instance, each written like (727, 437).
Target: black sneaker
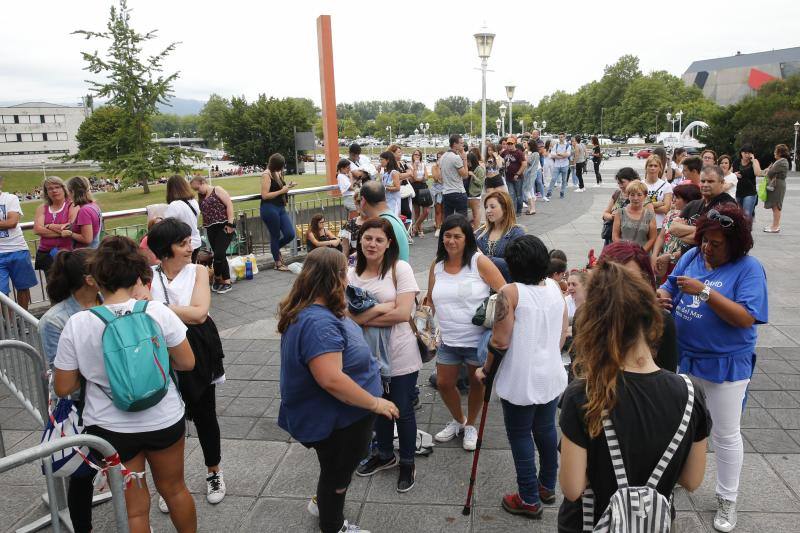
(376, 464)
(405, 481)
(224, 287)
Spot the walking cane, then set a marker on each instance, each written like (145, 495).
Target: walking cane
(487, 395)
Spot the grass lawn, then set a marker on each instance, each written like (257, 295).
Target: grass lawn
(134, 198)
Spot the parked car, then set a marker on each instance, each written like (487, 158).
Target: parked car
(644, 153)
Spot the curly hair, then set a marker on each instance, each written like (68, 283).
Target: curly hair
(738, 236)
(618, 311)
(324, 276)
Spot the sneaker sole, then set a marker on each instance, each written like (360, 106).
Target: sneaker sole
(522, 512)
(384, 467)
(402, 491)
(439, 439)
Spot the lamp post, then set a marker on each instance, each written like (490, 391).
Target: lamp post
(522, 126)
(44, 174)
(154, 136)
(679, 114)
(484, 40)
(794, 154)
(498, 123)
(389, 129)
(510, 95)
(536, 124)
(672, 121)
(503, 118)
(544, 125)
(177, 136)
(602, 112)
(424, 129)
(208, 162)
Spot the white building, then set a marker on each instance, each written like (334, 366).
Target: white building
(37, 131)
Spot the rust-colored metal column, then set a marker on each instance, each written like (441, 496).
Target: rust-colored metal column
(330, 131)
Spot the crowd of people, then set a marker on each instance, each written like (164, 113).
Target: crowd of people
(638, 357)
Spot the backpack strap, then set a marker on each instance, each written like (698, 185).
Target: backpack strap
(101, 312)
(655, 477)
(140, 306)
(614, 451)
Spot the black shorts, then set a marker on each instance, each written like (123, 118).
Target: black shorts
(493, 183)
(129, 445)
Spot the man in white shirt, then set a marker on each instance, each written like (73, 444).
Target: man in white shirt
(560, 153)
(15, 258)
(361, 168)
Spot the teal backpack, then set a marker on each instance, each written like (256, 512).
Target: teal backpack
(136, 358)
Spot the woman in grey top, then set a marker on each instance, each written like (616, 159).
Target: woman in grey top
(776, 186)
(636, 222)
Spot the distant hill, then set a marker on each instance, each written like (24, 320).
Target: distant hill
(177, 106)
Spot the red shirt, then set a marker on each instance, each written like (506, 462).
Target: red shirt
(513, 159)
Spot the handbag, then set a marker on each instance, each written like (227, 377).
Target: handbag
(484, 314)
(605, 233)
(425, 330)
(762, 189)
(407, 191)
(65, 420)
(424, 197)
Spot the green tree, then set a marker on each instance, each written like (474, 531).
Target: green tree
(212, 118)
(134, 85)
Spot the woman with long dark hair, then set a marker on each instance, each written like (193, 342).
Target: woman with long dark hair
(474, 186)
(420, 183)
(390, 177)
(218, 220)
(183, 287)
(391, 281)
(616, 378)
(330, 382)
(274, 196)
(318, 234)
(459, 280)
(747, 168)
(597, 158)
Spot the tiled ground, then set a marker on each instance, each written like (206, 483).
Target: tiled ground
(270, 478)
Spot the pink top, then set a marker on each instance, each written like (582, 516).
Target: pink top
(88, 214)
(59, 217)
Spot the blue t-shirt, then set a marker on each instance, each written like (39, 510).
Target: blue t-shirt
(308, 412)
(710, 348)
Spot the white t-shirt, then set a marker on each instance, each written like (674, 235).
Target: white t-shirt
(344, 184)
(180, 210)
(402, 341)
(456, 297)
(532, 371)
(731, 178)
(571, 306)
(655, 193)
(81, 348)
(12, 239)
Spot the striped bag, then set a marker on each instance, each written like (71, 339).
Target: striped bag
(636, 509)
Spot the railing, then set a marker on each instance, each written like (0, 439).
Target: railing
(44, 451)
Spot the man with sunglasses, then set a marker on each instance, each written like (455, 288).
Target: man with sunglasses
(515, 165)
(712, 189)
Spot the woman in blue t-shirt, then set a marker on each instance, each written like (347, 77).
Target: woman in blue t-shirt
(719, 295)
(330, 383)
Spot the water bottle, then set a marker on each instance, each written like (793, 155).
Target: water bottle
(248, 268)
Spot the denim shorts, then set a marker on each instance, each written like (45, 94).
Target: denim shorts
(17, 267)
(455, 355)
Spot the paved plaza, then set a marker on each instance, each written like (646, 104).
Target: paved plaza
(270, 478)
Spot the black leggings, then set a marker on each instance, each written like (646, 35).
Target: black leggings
(579, 173)
(79, 502)
(220, 240)
(597, 171)
(339, 456)
(203, 413)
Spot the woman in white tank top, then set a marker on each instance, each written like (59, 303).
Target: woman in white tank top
(184, 288)
(459, 281)
(531, 325)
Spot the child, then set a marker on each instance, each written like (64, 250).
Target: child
(346, 186)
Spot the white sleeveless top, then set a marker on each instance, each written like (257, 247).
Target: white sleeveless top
(180, 289)
(532, 371)
(456, 297)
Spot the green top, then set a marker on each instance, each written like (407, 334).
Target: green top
(476, 182)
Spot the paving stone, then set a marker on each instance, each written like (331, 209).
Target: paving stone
(771, 441)
(224, 516)
(774, 399)
(268, 373)
(22, 505)
(787, 381)
(242, 406)
(298, 472)
(290, 515)
(235, 427)
(248, 465)
(681, 499)
(762, 382)
(268, 429)
(788, 468)
(259, 358)
(399, 518)
(243, 372)
(770, 336)
(231, 387)
(757, 417)
(775, 366)
(793, 332)
(787, 418)
(756, 522)
(238, 345)
(495, 519)
(261, 389)
(756, 481)
(688, 522)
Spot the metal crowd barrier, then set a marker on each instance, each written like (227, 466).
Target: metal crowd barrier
(44, 451)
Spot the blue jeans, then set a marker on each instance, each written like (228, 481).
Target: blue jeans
(539, 184)
(515, 191)
(280, 227)
(574, 175)
(402, 390)
(522, 421)
(558, 172)
(454, 202)
(748, 204)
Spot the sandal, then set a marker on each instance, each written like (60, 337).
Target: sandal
(281, 267)
(770, 230)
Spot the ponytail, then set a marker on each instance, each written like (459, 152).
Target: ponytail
(67, 273)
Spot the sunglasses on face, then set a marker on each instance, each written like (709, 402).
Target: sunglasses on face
(724, 220)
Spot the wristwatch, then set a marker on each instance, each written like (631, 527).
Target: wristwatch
(705, 294)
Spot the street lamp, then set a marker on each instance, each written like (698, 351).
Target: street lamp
(536, 124)
(154, 136)
(602, 112)
(672, 121)
(44, 174)
(484, 41)
(794, 154)
(503, 118)
(208, 162)
(544, 125)
(177, 136)
(498, 123)
(424, 129)
(679, 114)
(389, 129)
(510, 95)
(522, 126)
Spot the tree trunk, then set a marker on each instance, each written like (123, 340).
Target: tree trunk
(145, 186)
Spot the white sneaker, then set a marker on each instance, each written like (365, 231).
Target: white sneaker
(351, 528)
(215, 487)
(725, 519)
(162, 505)
(577, 189)
(313, 508)
(436, 233)
(546, 198)
(470, 438)
(450, 431)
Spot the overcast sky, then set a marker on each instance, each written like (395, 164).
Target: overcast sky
(412, 50)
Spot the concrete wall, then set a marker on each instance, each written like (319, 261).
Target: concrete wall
(30, 135)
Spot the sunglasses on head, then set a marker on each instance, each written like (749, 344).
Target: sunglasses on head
(724, 220)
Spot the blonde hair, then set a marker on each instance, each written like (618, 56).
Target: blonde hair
(509, 219)
(81, 190)
(50, 180)
(636, 186)
(654, 159)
